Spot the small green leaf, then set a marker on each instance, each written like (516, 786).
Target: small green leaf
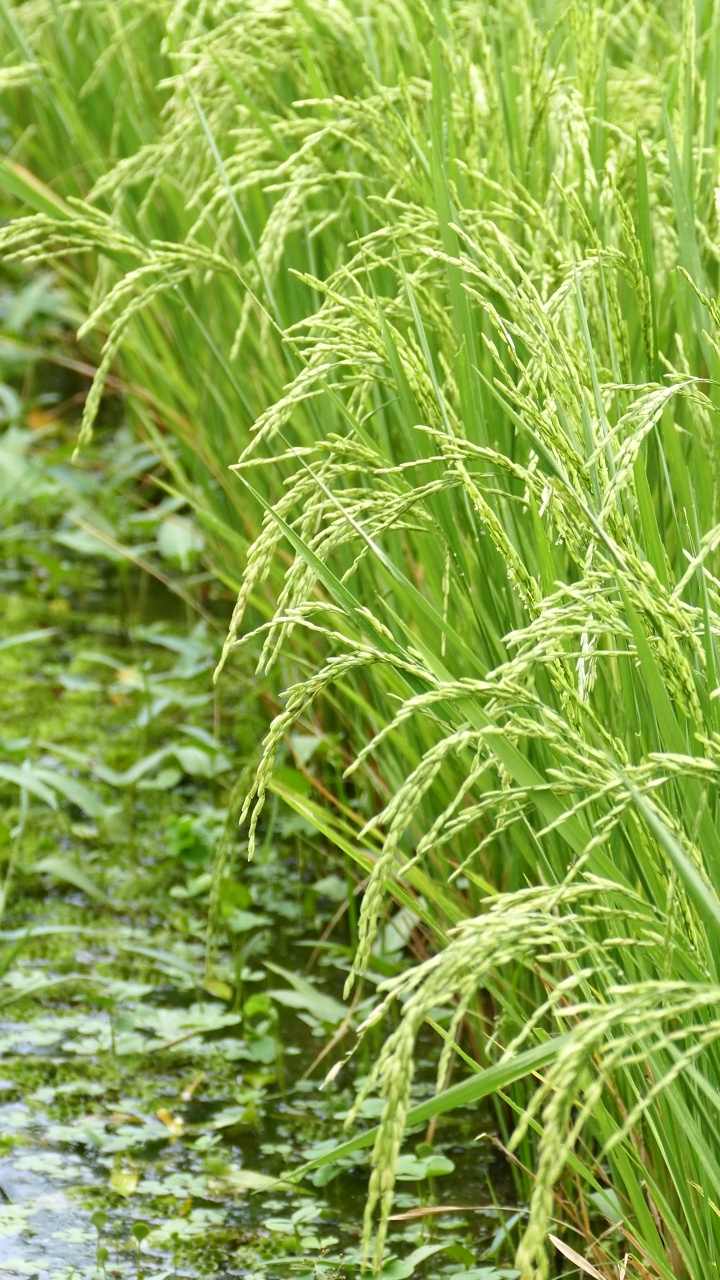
(27, 637)
(124, 1181)
(26, 780)
(180, 542)
(62, 868)
(73, 790)
(303, 995)
(239, 921)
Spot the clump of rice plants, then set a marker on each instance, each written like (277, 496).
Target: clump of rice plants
(455, 268)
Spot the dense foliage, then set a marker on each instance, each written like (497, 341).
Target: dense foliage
(439, 281)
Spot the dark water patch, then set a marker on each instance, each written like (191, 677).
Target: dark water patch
(151, 1102)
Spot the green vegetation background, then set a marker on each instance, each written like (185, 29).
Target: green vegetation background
(416, 306)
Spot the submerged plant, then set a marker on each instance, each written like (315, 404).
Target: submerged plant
(458, 266)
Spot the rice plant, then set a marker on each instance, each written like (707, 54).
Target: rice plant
(438, 281)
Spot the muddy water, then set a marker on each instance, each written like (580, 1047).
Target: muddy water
(144, 1110)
